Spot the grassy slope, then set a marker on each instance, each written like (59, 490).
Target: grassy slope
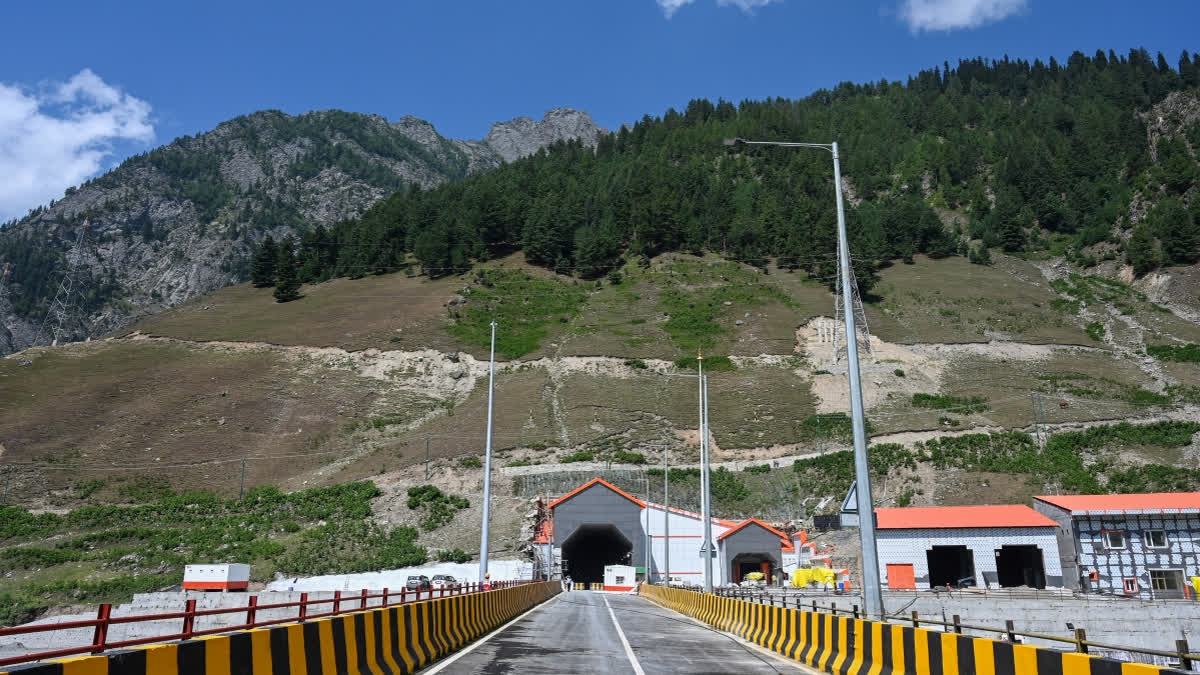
(166, 407)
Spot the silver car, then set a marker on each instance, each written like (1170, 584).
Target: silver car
(444, 581)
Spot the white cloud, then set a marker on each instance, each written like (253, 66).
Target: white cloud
(669, 7)
(950, 15)
(59, 134)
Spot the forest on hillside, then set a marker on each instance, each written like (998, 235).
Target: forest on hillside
(1032, 156)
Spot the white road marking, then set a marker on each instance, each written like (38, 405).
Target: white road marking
(441, 665)
(637, 667)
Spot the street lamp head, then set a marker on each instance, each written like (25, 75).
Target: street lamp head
(734, 141)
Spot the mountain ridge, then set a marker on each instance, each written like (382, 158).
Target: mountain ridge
(182, 219)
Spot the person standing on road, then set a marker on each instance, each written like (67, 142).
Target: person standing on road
(570, 584)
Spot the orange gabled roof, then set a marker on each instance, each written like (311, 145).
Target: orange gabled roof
(782, 537)
(1152, 501)
(596, 481)
(940, 517)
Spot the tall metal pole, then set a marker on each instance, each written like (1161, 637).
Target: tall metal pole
(707, 462)
(666, 524)
(649, 540)
(862, 471)
(487, 465)
(703, 465)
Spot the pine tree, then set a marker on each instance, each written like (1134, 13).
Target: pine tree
(262, 273)
(1140, 252)
(287, 285)
(1176, 231)
(980, 255)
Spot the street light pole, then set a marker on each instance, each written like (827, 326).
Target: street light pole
(709, 553)
(649, 541)
(666, 523)
(487, 466)
(873, 595)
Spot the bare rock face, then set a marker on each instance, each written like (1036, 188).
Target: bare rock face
(185, 218)
(522, 136)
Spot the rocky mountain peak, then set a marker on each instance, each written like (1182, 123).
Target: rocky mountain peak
(523, 136)
(184, 218)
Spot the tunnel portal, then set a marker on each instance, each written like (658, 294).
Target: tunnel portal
(590, 548)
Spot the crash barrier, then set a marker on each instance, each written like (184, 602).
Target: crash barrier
(394, 640)
(856, 646)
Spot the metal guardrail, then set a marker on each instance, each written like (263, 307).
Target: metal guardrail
(1079, 642)
(341, 604)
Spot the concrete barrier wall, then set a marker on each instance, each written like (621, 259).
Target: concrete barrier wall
(845, 645)
(394, 640)
(1124, 621)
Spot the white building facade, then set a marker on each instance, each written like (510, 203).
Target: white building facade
(967, 546)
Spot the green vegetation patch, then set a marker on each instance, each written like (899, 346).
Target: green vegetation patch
(580, 456)
(833, 473)
(1061, 460)
(964, 404)
(1095, 330)
(698, 296)
(1189, 353)
(523, 307)
(144, 547)
(1086, 290)
(712, 364)
(439, 507)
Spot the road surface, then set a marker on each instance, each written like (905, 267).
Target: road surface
(609, 634)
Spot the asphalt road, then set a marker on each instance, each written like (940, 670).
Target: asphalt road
(578, 633)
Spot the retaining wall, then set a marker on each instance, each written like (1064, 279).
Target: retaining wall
(845, 645)
(396, 640)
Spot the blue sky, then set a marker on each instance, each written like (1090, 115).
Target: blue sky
(155, 70)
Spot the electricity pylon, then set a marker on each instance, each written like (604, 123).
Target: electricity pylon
(61, 305)
(864, 333)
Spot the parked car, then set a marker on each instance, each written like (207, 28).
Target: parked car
(418, 583)
(444, 581)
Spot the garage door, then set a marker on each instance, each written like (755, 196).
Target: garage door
(901, 576)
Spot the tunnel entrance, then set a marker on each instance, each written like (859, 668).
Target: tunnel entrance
(950, 566)
(745, 563)
(590, 548)
(1020, 566)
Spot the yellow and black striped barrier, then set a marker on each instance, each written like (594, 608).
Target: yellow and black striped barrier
(849, 646)
(394, 640)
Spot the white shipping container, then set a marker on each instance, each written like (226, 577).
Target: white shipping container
(224, 577)
(619, 577)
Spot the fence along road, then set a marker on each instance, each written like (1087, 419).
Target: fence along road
(610, 634)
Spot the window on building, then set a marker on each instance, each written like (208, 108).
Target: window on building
(1155, 538)
(1166, 583)
(1131, 586)
(1113, 539)
(619, 580)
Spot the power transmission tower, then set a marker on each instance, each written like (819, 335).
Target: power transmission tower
(61, 305)
(5, 272)
(864, 333)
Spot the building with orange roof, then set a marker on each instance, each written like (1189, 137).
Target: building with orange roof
(598, 525)
(1138, 545)
(998, 546)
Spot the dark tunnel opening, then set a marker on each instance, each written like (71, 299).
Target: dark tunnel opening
(590, 548)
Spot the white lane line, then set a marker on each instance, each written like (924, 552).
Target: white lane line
(444, 663)
(637, 667)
